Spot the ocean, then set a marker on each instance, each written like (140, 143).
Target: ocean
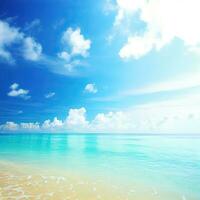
(99, 166)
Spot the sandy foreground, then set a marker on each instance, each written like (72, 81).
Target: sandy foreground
(24, 182)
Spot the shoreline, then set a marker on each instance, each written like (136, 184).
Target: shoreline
(19, 181)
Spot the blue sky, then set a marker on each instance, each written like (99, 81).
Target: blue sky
(107, 66)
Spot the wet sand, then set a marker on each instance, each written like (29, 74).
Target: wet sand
(25, 182)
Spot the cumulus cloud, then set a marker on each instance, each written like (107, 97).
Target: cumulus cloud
(15, 91)
(172, 116)
(9, 126)
(164, 21)
(15, 42)
(74, 45)
(30, 126)
(52, 125)
(78, 44)
(91, 88)
(10, 35)
(76, 119)
(32, 50)
(14, 86)
(136, 47)
(126, 7)
(49, 95)
(111, 122)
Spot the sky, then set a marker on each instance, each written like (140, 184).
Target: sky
(109, 66)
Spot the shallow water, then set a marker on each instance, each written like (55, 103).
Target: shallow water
(88, 166)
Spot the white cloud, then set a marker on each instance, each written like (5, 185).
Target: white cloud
(30, 126)
(76, 119)
(179, 115)
(9, 126)
(32, 50)
(79, 45)
(91, 88)
(52, 125)
(74, 44)
(126, 7)
(111, 122)
(10, 35)
(136, 47)
(64, 55)
(164, 21)
(49, 95)
(18, 92)
(14, 86)
(173, 116)
(14, 43)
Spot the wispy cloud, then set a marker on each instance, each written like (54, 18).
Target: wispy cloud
(49, 95)
(59, 23)
(178, 83)
(32, 25)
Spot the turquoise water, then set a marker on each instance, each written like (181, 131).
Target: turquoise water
(167, 163)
